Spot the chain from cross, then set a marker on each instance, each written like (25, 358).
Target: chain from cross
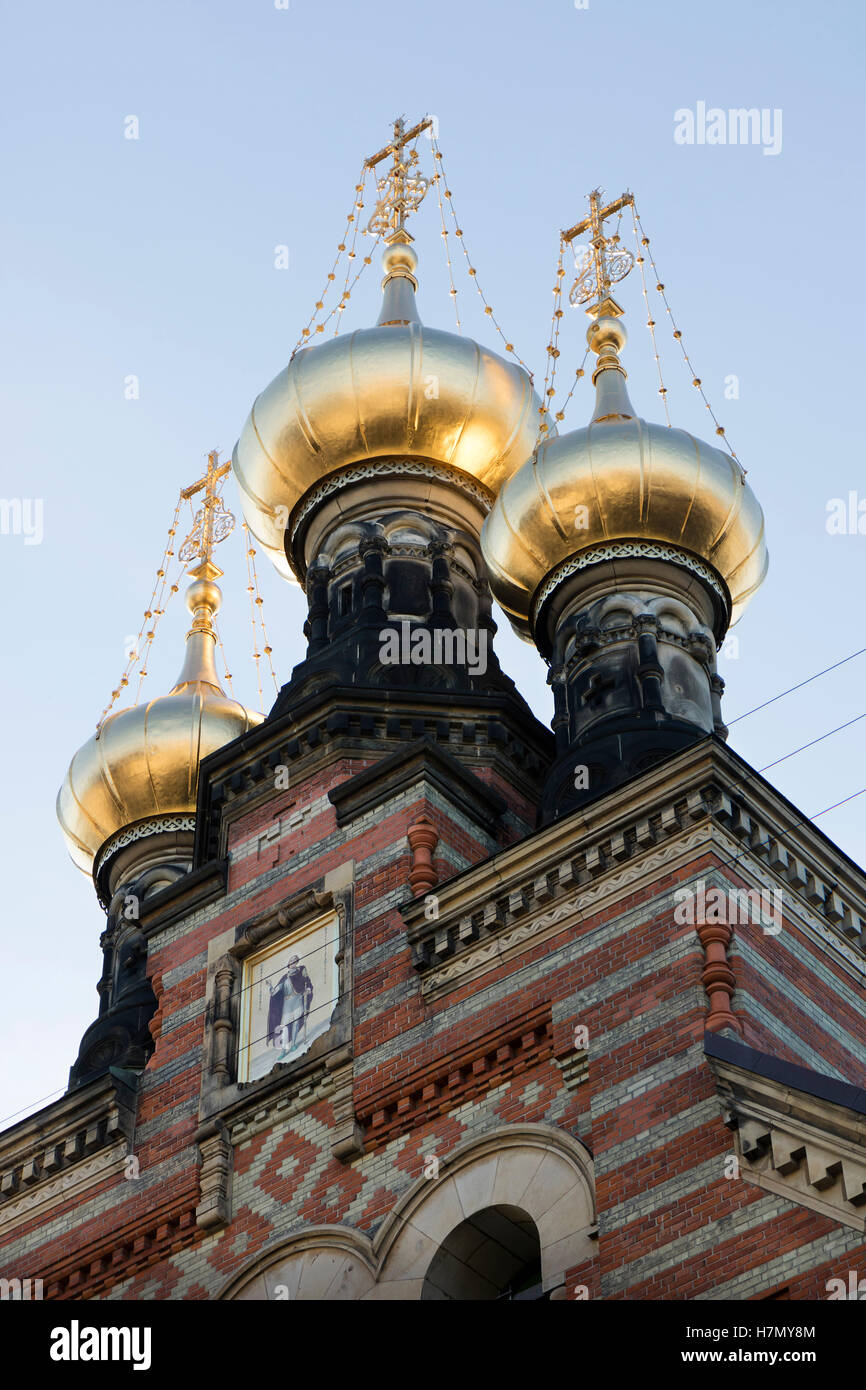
(603, 262)
(213, 521)
(401, 190)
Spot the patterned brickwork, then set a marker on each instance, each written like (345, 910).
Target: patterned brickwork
(594, 1027)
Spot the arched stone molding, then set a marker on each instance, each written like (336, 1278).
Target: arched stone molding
(330, 1263)
(537, 1169)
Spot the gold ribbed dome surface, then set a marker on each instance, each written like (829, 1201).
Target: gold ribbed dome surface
(621, 479)
(396, 390)
(143, 762)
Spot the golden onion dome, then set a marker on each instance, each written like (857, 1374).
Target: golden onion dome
(622, 486)
(142, 763)
(398, 390)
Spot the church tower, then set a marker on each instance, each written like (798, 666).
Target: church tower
(127, 807)
(625, 550)
(405, 995)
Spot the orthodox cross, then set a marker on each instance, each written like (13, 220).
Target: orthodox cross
(400, 191)
(597, 688)
(212, 522)
(604, 261)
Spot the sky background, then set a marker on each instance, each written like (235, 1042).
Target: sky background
(155, 258)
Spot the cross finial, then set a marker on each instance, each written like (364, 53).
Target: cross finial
(213, 522)
(603, 262)
(401, 189)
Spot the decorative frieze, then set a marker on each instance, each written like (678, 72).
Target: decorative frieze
(688, 804)
(99, 1267)
(621, 550)
(380, 468)
(157, 825)
(470, 1070)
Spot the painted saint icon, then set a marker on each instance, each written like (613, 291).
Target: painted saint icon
(289, 993)
(289, 1009)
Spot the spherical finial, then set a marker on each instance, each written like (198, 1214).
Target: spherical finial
(606, 333)
(204, 594)
(399, 257)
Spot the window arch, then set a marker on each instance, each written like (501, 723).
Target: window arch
(541, 1172)
(520, 1199)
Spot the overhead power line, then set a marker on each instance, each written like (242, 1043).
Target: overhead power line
(812, 742)
(845, 799)
(798, 686)
(24, 1108)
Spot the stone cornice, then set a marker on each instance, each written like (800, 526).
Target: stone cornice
(705, 798)
(280, 918)
(337, 723)
(65, 1148)
(798, 1133)
(403, 770)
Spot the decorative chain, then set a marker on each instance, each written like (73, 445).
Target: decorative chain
(581, 372)
(458, 232)
(549, 390)
(227, 673)
(154, 611)
(351, 220)
(677, 332)
(651, 323)
(347, 287)
(437, 179)
(257, 618)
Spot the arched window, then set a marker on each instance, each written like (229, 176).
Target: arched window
(495, 1254)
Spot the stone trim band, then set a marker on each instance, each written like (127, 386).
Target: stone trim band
(378, 468)
(626, 550)
(158, 825)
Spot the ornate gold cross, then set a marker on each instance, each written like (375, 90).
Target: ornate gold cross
(604, 262)
(212, 523)
(401, 190)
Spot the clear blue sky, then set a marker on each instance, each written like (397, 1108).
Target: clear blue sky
(155, 257)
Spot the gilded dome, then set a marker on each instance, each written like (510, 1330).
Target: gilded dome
(396, 390)
(143, 762)
(622, 480)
